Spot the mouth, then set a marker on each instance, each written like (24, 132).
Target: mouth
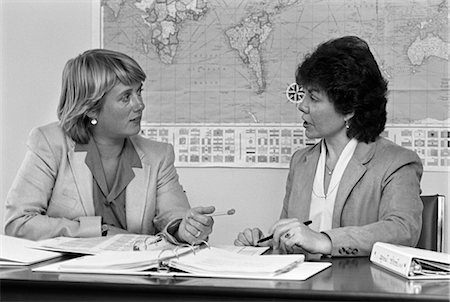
(136, 119)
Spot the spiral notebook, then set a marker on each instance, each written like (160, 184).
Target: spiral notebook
(188, 261)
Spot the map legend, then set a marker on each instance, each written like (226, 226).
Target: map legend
(271, 146)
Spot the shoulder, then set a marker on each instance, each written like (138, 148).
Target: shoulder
(50, 134)
(386, 157)
(301, 154)
(390, 151)
(150, 149)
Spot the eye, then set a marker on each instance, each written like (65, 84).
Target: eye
(139, 91)
(125, 98)
(312, 96)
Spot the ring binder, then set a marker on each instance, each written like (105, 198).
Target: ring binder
(143, 244)
(411, 263)
(191, 261)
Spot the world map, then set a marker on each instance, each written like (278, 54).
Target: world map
(230, 62)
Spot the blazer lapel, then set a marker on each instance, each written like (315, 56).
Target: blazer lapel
(136, 195)
(353, 172)
(305, 182)
(83, 180)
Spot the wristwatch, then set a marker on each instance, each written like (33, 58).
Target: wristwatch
(105, 229)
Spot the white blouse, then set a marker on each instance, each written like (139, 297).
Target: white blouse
(322, 204)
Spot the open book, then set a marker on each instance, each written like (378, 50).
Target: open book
(95, 245)
(17, 252)
(187, 261)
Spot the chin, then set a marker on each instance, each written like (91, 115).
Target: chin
(310, 135)
(135, 130)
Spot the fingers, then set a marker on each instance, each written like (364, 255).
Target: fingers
(197, 224)
(204, 210)
(198, 216)
(249, 237)
(280, 229)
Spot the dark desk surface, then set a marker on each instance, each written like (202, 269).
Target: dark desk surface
(348, 279)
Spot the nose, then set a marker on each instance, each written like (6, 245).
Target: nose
(303, 106)
(138, 103)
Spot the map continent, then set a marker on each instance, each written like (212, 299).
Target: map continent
(231, 62)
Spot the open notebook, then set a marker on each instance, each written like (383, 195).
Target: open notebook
(192, 262)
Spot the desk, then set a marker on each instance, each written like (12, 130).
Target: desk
(348, 279)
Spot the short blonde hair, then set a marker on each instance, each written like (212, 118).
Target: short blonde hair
(85, 80)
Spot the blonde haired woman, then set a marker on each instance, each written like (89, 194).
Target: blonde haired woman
(91, 173)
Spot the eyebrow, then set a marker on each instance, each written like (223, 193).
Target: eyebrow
(125, 91)
(128, 89)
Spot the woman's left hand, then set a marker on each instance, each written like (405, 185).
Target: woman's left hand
(291, 235)
(196, 225)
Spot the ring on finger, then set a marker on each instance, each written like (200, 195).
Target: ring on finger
(288, 235)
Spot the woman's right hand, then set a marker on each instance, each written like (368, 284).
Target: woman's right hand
(112, 230)
(250, 237)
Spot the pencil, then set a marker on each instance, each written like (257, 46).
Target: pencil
(271, 236)
(222, 213)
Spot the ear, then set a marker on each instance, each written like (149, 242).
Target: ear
(348, 116)
(91, 115)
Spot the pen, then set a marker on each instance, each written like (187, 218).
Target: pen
(271, 236)
(221, 213)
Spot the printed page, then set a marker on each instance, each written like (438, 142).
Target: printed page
(112, 262)
(213, 260)
(94, 245)
(244, 250)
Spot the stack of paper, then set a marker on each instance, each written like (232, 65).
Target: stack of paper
(113, 261)
(204, 262)
(217, 261)
(16, 252)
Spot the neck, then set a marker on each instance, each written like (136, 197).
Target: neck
(335, 146)
(109, 149)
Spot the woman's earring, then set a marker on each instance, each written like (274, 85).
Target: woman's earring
(94, 121)
(346, 124)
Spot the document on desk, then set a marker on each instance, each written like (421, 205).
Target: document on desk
(95, 245)
(245, 250)
(18, 252)
(205, 262)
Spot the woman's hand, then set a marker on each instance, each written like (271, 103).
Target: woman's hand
(196, 225)
(112, 230)
(250, 237)
(292, 235)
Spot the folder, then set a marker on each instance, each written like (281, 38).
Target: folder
(186, 261)
(411, 263)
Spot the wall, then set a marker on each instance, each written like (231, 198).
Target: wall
(38, 37)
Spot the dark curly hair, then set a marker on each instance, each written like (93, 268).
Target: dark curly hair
(347, 71)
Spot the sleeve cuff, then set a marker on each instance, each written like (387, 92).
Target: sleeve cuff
(90, 226)
(170, 229)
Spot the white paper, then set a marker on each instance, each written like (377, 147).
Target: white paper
(17, 251)
(95, 245)
(245, 250)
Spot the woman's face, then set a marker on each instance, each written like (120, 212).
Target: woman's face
(321, 120)
(121, 113)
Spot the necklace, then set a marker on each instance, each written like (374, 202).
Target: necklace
(329, 171)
